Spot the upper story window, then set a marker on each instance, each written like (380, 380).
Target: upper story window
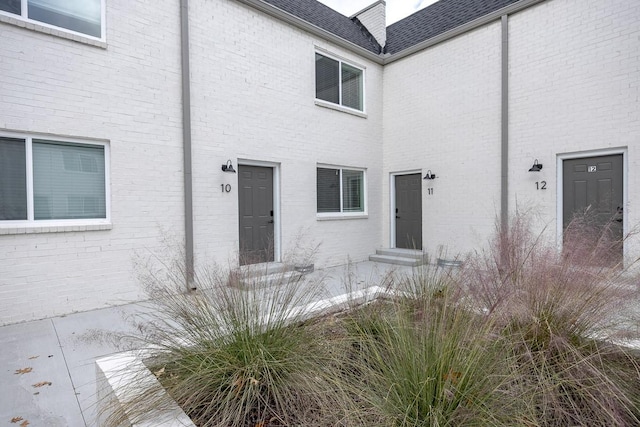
(340, 191)
(46, 180)
(80, 16)
(339, 83)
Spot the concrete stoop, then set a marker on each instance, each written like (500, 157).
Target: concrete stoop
(265, 275)
(406, 257)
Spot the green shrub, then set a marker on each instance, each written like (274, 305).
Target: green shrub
(426, 360)
(236, 357)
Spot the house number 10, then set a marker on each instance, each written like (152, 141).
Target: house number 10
(225, 188)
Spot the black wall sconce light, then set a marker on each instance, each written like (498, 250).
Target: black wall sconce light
(228, 167)
(536, 166)
(429, 175)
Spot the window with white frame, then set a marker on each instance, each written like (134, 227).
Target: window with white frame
(44, 179)
(80, 16)
(340, 191)
(339, 83)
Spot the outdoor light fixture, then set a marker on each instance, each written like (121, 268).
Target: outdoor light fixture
(429, 175)
(228, 167)
(536, 166)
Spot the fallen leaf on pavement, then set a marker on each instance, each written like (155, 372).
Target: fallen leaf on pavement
(33, 357)
(23, 371)
(25, 423)
(16, 419)
(42, 384)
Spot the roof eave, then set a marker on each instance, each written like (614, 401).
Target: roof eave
(313, 29)
(383, 59)
(454, 32)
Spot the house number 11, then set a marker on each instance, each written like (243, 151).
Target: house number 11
(225, 188)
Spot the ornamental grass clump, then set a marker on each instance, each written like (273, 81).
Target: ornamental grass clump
(521, 335)
(563, 315)
(236, 355)
(425, 359)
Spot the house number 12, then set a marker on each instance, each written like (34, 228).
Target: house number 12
(542, 185)
(225, 188)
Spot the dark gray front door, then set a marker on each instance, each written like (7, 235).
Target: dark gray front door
(256, 214)
(593, 205)
(409, 211)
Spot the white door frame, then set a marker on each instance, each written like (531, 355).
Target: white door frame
(277, 229)
(392, 204)
(560, 194)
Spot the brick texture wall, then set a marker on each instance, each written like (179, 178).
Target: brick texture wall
(253, 99)
(574, 71)
(253, 89)
(573, 88)
(128, 94)
(442, 113)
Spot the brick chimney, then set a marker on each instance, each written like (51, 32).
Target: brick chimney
(373, 18)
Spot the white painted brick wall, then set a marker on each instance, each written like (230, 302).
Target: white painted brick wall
(129, 94)
(574, 69)
(374, 20)
(574, 73)
(573, 88)
(442, 112)
(253, 98)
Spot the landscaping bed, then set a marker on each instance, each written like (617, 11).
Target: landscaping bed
(519, 335)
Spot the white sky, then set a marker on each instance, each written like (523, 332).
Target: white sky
(396, 9)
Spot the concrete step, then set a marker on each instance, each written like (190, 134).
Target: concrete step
(404, 253)
(397, 260)
(397, 256)
(263, 269)
(269, 280)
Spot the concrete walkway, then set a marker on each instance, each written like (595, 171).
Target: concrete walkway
(47, 372)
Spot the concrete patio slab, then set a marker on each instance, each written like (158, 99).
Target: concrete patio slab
(62, 351)
(82, 340)
(34, 381)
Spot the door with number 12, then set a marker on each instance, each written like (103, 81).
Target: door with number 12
(593, 195)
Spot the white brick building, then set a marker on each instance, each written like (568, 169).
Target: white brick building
(96, 111)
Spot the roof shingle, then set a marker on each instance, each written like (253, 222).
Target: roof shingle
(425, 24)
(436, 19)
(328, 19)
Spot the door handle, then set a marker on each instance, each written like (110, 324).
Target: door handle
(397, 216)
(270, 221)
(618, 216)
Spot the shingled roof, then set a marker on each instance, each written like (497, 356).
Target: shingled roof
(436, 19)
(425, 24)
(328, 19)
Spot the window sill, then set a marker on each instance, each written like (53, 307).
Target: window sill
(35, 229)
(332, 106)
(338, 217)
(34, 26)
